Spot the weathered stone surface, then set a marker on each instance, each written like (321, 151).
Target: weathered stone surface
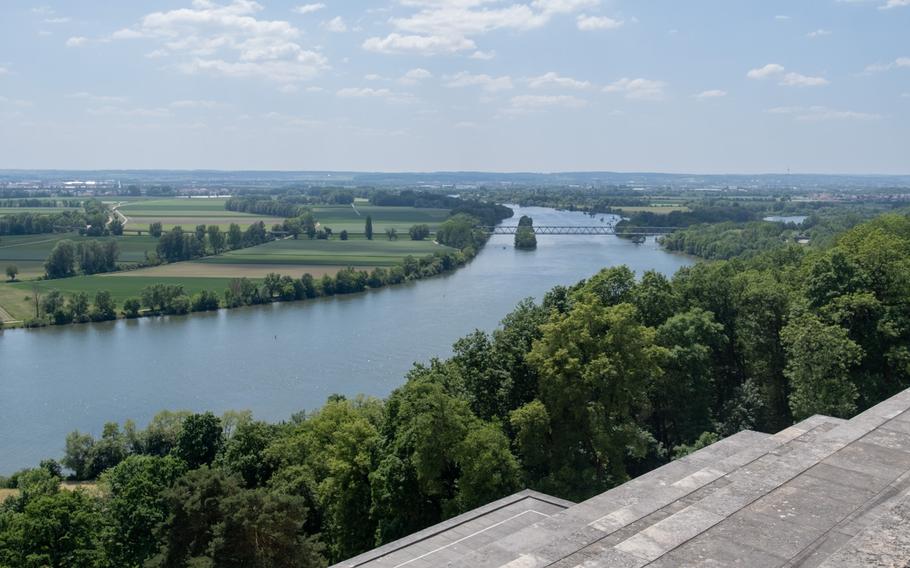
(822, 493)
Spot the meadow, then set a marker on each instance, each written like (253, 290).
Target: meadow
(353, 219)
(187, 213)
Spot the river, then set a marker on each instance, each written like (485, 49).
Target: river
(279, 359)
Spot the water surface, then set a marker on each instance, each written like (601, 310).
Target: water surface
(279, 359)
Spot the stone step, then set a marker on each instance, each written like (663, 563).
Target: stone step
(787, 512)
(642, 501)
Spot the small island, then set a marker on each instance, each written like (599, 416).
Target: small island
(525, 238)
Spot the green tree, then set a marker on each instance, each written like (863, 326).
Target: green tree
(131, 307)
(155, 229)
(419, 232)
(200, 440)
(135, 506)
(61, 262)
(115, 227)
(343, 235)
(235, 236)
(105, 308)
(217, 239)
(525, 238)
(59, 530)
(819, 360)
(79, 307)
(12, 271)
(368, 228)
(259, 529)
(595, 365)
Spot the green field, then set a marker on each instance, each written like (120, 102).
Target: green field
(186, 213)
(28, 252)
(345, 217)
(306, 252)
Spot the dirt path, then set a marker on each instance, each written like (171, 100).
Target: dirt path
(6, 318)
(29, 243)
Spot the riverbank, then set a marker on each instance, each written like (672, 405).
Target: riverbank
(281, 358)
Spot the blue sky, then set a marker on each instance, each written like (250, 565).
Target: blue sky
(705, 86)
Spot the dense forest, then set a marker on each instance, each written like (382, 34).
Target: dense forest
(594, 384)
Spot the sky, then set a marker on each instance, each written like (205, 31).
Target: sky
(688, 86)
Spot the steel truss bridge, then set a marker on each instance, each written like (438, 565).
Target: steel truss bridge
(607, 229)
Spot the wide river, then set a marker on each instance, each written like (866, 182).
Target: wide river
(279, 359)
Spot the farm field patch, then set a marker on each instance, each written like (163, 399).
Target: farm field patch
(187, 213)
(194, 269)
(28, 252)
(353, 219)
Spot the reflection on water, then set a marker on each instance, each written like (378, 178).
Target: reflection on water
(279, 359)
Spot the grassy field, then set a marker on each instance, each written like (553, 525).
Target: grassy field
(294, 258)
(352, 219)
(187, 213)
(306, 252)
(28, 252)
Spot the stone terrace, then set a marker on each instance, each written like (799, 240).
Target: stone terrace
(823, 493)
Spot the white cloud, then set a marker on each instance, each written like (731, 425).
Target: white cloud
(362, 92)
(766, 71)
(4, 71)
(424, 45)
(894, 4)
(309, 8)
(483, 55)
(899, 62)
(414, 76)
(818, 33)
(710, 94)
(591, 23)
(76, 41)
(552, 79)
(798, 80)
(57, 20)
(781, 18)
(486, 82)
(336, 25)
(822, 113)
(790, 79)
(448, 26)
(229, 40)
(638, 89)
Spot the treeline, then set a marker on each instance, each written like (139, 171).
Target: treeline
(723, 241)
(90, 257)
(33, 203)
(598, 382)
(91, 221)
(699, 214)
(728, 240)
(265, 206)
(30, 223)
